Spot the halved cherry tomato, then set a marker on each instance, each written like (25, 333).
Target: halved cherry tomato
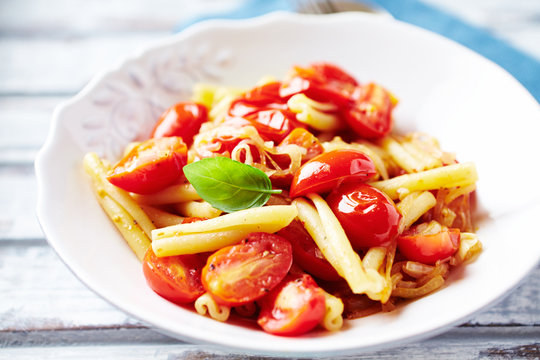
(306, 254)
(220, 145)
(183, 119)
(264, 108)
(371, 115)
(367, 215)
(305, 139)
(242, 273)
(295, 307)
(273, 124)
(428, 248)
(261, 97)
(176, 278)
(151, 166)
(325, 171)
(321, 82)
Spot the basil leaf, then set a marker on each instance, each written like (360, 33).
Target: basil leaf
(229, 185)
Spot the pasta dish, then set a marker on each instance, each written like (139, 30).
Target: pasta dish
(292, 204)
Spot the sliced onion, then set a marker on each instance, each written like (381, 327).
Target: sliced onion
(416, 269)
(432, 285)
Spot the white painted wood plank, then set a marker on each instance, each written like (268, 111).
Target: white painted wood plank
(25, 120)
(40, 293)
(18, 196)
(65, 65)
(25, 123)
(80, 17)
(459, 343)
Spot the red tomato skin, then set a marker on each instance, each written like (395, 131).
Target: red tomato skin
(273, 124)
(321, 82)
(295, 307)
(371, 114)
(164, 276)
(264, 108)
(183, 119)
(261, 259)
(306, 254)
(368, 216)
(428, 249)
(151, 166)
(325, 171)
(332, 72)
(261, 97)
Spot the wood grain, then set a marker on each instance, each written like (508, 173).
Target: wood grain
(65, 65)
(48, 52)
(460, 343)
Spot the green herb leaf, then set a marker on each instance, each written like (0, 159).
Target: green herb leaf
(229, 185)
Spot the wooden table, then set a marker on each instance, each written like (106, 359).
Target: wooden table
(48, 52)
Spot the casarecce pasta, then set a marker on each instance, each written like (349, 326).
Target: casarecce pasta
(292, 203)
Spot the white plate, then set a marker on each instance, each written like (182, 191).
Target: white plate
(475, 108)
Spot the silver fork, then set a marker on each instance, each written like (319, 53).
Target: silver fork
(330, 7)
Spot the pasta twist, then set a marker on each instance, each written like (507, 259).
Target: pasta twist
(333, 319)
(205, 304)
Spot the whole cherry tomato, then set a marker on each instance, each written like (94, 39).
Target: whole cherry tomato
(321, 82)
(428, 248)
(305, 139)
(306, 253)
(183, 119)
(294, 307)
(325, 171)
(371, 115)
(151, 166)
(367, 215)
(242, 273)
(176, 278)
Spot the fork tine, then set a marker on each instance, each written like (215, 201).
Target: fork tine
(325, 6)
(321, 6)
(330, 6)
(309, 6)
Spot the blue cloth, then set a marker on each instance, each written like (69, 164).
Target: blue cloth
(523, 67)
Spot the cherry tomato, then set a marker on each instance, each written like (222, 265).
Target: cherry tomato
(321, 82)
(325, 171)
(176, 278)
(307, 254)
(261, 97)
(367, 215)
(273, 124)
(183, 119)
(428, 248)
(295, 307)
(305, 139)
(220, 145)
(242, 273)
(371, 115)
(151, 166)
(264, 108)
